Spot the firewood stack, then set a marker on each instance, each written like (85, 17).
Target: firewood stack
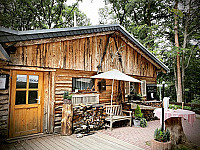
(88, 117)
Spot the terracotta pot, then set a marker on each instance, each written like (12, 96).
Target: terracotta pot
(156, 145)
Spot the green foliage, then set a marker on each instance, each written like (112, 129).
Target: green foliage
(196, 100)
(179, 107)
(162, 136)
(69, 97)
(143, 122)
(137, 96)
(171, 106)
(37, 14)
(138, 114)
(66, 95)
(182, 147)
(187, 107)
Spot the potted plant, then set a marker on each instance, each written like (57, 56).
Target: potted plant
(67, 96)
(138, 115)
(161, 140)
(143, 122)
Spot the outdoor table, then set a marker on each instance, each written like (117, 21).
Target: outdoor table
(173, 122)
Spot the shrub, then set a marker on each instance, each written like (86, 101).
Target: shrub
(179, 107)
(162, 136)
(187, 107)
(143, 122)
(138, 114)
(66, 95)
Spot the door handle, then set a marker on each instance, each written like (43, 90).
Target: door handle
(38, 100)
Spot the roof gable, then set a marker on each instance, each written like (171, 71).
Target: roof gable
(7, 35)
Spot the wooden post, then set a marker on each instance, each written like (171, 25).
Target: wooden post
(67, 115)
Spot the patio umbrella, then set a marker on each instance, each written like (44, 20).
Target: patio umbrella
(115, 75)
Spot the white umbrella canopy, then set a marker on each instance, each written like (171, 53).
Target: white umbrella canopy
(115, 75)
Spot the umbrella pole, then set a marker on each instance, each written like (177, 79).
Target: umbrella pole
(111, 106)
(112, 93)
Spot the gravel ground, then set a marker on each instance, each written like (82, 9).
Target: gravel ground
(141, 136)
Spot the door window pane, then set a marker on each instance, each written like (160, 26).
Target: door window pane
(21, 81)
(33, 81)
(20, 97)
(32, 96)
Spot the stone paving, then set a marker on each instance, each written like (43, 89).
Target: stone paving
(142, 136)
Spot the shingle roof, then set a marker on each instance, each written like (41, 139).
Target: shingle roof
(8, 35)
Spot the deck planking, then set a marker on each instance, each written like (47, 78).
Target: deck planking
(97, 141)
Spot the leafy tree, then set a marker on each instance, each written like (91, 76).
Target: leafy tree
(39, 14)
(145, 19)
(152, 23)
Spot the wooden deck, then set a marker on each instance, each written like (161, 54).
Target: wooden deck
(97, 141)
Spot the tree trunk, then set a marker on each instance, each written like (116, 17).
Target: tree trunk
(174, 125)
(175, 79)
(184, 46)
(66, 123)
(179, 89)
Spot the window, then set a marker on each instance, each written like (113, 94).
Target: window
(143, 88)
(127, 87)
(82, 83)
(26, 85)
(102, 85)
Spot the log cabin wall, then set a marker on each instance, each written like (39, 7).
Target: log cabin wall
(85, 54)
(4, 105)
(79, 57)
(63, 82)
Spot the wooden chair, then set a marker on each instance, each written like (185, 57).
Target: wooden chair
(115, 113)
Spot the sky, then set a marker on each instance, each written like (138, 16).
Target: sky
(90, 8)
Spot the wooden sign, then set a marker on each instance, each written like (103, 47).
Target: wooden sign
(4, 81)
(151, 91)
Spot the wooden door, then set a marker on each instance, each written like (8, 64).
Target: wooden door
(26, 103)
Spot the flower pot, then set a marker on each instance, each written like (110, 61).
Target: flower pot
(156, 145)
(136, 123)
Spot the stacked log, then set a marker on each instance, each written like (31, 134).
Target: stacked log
(92, 116)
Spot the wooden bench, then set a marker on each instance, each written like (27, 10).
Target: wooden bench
(115, 113)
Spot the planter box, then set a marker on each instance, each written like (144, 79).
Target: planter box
(136, 123)
(156, 145)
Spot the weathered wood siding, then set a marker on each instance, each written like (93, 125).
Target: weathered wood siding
(63, 82)
(85, 54)
(4, 105)
(64, 58)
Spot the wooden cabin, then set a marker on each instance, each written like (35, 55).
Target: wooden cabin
(38, 66)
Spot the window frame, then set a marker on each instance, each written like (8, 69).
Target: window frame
(74, 80)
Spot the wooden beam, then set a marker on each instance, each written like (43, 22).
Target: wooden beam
(104, 53)
(119, 55)
(46, 100)
(51, 101)
(57, 39)
(138, 50)
(29, 68)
